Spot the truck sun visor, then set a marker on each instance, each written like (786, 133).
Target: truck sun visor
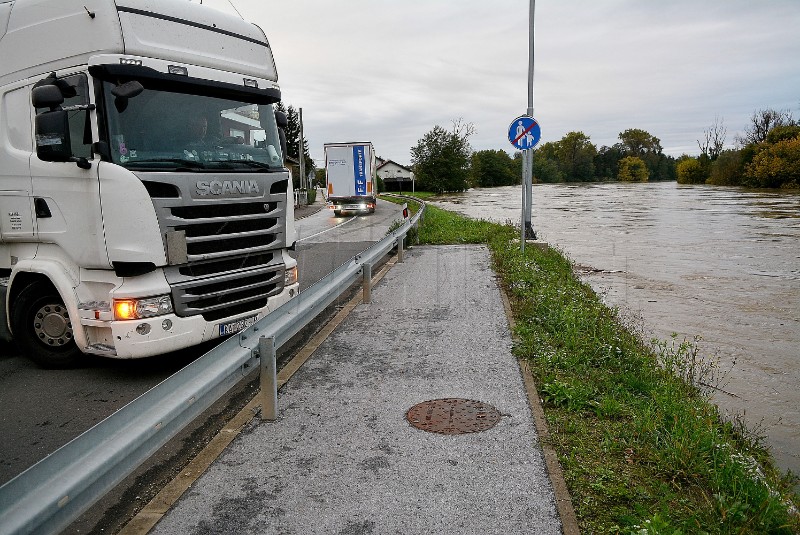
(154, 79)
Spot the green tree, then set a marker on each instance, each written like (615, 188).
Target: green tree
(606, 162)
(545, 170)
(575, 155)
(640, 143)
(545, 167)
(319, 177)
(637, 142)
(690, 171)
(776, 165)
(632, 169)
(548, 150)
(782, 133)
(516, 166)
(441, 158)
(727, 169)
(293, 141)
(491, 168)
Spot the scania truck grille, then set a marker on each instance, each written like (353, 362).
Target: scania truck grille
(232, 262)
(219, 231)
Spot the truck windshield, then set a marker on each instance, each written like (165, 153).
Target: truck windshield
(164, 130)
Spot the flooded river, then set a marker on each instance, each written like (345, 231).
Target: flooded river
(721, 263)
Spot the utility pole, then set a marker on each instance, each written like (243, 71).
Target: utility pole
(302, 154)
(527, 155)
(524, 133)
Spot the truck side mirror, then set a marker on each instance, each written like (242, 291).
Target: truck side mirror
(52, 127)
(281, 120)
(47, 96)
(52, 136)
(283, 124)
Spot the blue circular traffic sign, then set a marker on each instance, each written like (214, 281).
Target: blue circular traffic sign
(524, 132)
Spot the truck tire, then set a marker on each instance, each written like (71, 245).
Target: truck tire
(337, 213)
(42, 328)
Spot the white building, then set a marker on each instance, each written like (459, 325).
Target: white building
(395, 177)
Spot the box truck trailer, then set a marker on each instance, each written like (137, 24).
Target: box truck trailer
(350, 177)
(144, 203)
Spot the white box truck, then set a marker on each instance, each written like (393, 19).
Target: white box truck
(144, 203)
(350, 176)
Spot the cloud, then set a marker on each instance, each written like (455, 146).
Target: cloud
(388, 71)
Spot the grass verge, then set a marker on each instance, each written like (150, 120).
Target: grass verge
(643, 450)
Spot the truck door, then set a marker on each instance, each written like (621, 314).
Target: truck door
(67, 197)
(16, 197)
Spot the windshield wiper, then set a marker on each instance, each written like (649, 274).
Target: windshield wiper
(250, 163)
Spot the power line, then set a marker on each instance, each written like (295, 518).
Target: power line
(236, 10)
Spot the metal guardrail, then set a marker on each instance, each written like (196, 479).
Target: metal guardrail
(51, 494)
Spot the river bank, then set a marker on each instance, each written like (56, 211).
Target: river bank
(641, 449)
(715, 262)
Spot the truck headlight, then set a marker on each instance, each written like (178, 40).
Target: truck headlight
(290, 276)
(147, 307)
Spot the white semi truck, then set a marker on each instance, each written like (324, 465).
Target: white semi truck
(144, 202)
(350, 177)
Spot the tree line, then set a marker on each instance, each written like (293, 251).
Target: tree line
(292, 132)
(444, 161)
(767, 155)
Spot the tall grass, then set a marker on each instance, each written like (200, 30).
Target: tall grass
(643, 449)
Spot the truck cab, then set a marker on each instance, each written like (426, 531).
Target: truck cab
(144, 203)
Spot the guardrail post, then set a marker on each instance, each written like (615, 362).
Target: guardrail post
(400, 253)
(269, 379)
(367, 276)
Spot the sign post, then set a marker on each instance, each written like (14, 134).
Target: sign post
(524, 133)
(528, 226)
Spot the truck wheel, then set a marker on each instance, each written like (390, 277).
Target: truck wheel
(337, 213)
(42, 328)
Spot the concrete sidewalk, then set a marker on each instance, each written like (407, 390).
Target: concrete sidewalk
(343, 458)
(305, 210)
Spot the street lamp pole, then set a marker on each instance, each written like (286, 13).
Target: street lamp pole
(301, 152)
(527, 155)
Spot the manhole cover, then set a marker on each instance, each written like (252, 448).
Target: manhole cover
(453, 416)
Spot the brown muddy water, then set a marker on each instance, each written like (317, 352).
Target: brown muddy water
(720, 263)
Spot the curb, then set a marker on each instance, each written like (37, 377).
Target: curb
(566, 511)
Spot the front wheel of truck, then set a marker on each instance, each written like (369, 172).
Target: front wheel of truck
(42, 328)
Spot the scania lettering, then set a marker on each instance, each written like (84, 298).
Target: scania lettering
(144, 201)
(215, 187)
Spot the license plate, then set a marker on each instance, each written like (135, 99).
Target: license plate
(231, 327)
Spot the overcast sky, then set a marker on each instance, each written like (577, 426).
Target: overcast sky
(387, 71)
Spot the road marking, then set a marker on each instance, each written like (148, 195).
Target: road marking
(353, 218)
